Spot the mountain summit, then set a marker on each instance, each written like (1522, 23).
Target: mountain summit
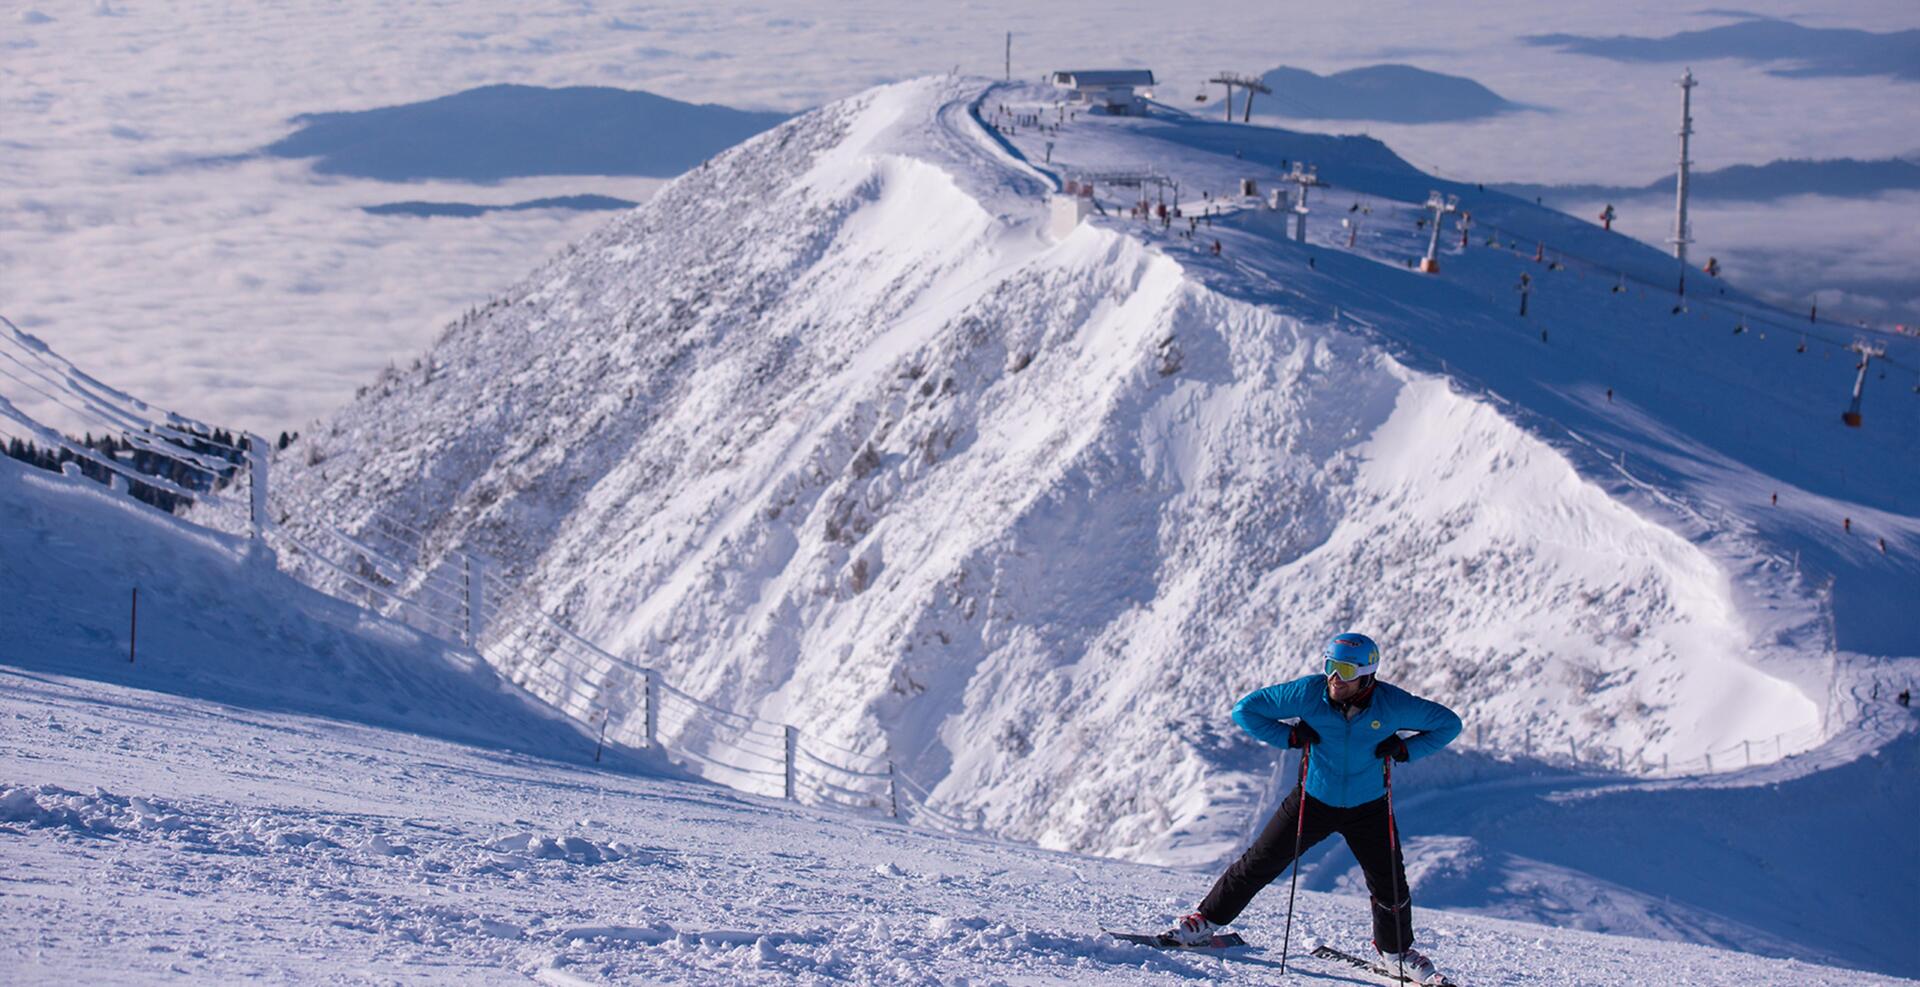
(834, 431)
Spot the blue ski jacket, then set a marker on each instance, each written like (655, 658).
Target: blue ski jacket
(1342, 770)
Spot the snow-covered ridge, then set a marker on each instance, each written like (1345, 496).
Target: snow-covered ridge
(829, 431)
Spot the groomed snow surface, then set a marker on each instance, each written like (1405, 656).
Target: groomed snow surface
(188, 818)
(154, 838)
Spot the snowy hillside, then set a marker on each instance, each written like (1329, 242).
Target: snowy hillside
(864, 450)
(831, 431)
(214, 620)
(283, 788)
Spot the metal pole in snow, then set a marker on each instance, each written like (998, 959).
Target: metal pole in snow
(601, 744)
(466, 602)
(792, 738)
(893, 794)
(475, 570)
(257, 484)
(653, 708)
(133, 624)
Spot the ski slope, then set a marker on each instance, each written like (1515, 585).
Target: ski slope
(249, 801)
(867, 450)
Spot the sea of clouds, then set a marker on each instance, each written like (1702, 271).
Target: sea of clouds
(257, 294)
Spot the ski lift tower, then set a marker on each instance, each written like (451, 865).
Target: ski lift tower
(1306, 177)
(1682, 233)
(1251, 83)
(1867, 352)
(1441, 205)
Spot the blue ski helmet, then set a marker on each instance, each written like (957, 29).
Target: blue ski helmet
(1351, 655)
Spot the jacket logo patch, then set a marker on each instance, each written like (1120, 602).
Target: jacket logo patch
(1376, 724)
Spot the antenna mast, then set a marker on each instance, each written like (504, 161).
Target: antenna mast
(1681, 231)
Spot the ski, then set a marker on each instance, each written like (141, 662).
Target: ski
(1227, 941)
(1386, 976)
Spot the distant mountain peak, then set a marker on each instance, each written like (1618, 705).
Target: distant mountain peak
(506, 130)
(1394, 92)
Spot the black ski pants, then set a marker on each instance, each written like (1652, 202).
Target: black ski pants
(1365, 829)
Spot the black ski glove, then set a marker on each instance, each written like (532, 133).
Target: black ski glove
(1392, 747)
(1300, 735)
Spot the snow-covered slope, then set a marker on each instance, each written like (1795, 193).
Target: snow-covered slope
(215, 620)
(191, 817)
(831, 432)
(180, 843)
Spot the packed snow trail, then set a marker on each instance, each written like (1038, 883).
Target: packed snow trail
(151, 838)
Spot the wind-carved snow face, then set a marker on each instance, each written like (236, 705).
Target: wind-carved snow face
(826, 432)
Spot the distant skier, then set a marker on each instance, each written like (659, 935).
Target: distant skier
(1349, 722)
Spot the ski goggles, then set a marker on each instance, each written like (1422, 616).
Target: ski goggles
(1347, 671)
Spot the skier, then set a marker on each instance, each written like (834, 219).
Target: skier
(1349, 722)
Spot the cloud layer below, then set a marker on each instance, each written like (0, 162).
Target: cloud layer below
(260, 294)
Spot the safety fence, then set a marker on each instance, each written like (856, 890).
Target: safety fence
(457, 595)
(1574, 755)
(389, 567)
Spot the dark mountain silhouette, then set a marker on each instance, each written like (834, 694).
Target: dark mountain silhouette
(1843, 177)
(506, 131)
(1392, 93)
(468, 209)
(1814, 51)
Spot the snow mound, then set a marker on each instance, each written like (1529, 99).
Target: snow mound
(97, 814)
(571, 849)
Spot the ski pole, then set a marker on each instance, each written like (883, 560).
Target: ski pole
(1299, 829)
(1393, 857)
